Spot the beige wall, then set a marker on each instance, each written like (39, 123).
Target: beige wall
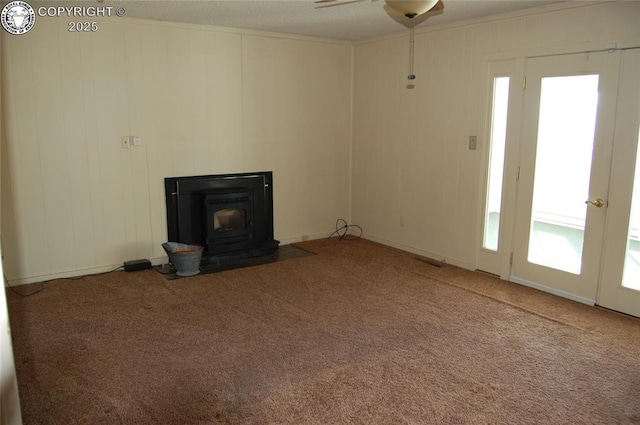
(410, 147)
(203, 100)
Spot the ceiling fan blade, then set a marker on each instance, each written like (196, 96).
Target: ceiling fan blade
(331, 3)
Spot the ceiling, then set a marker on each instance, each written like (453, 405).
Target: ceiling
(352, 22)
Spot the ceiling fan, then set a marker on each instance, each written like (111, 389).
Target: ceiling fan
(408, 8)
(416, 11)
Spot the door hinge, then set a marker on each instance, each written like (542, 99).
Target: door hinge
(518, 174)
(511, 259)
(524, 82)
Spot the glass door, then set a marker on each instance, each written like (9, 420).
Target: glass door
(620, 281)
(568, 122)
(504, 98)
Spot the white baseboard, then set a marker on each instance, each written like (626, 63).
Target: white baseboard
(289, 241)
(418, 251)
(103, 269)
(77, 273)
(283, 241)
(553, 291)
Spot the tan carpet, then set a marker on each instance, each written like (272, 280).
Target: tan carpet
(358, 334)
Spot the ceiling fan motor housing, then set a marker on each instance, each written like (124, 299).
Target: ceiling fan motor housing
(411, 8)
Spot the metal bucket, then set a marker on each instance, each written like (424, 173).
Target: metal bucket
(184, 257)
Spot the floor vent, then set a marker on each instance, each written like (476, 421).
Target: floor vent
(430, 261)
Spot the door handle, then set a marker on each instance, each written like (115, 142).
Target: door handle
(598, 203)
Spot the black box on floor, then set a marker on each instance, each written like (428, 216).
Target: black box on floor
(135, 265)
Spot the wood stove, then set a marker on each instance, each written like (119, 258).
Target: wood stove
(230, 215)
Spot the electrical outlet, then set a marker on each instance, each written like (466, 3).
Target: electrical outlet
(401, 221)
(136, 141)
(473, 142)
(126, 142)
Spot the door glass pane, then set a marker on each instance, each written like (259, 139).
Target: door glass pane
(566, 128)
(497, 143)
(631, 275)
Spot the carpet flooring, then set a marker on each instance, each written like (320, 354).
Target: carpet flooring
(359, 333)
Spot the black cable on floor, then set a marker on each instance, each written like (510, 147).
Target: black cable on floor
(342, 230)
(6, 281)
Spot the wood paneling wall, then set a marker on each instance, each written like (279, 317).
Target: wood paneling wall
(203, 100)
(415, 183)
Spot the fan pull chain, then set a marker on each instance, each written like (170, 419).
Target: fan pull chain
(412, 40)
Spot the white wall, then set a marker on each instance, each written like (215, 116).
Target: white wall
(410, 147)
(204, 100)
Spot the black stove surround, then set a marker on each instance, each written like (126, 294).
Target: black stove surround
(230, 215)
